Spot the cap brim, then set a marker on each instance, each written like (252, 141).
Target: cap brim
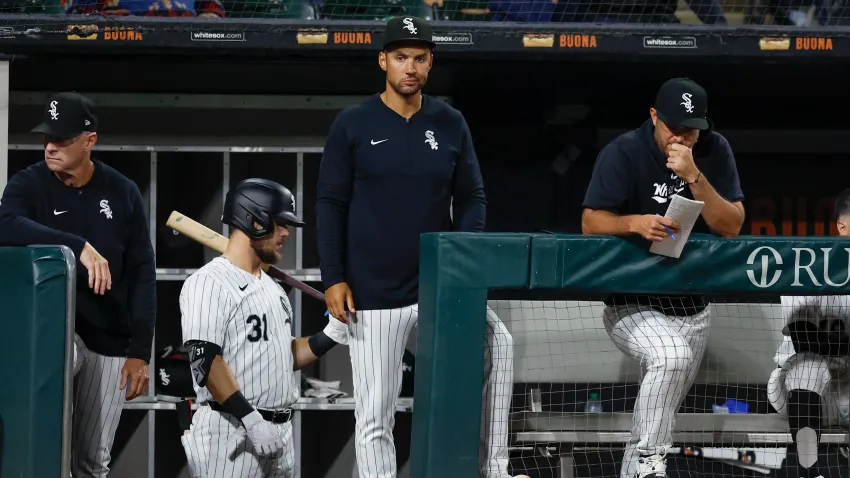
(45, 128)
(696, 123)
(289, 219)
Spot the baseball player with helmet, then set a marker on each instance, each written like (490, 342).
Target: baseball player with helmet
(76, 200)
(394, 167)
(673, 152)
(810, 384)
(237, 324)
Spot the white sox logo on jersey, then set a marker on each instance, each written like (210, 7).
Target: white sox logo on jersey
(429, 138)
(105, 209)
(664, 190)
(408, 25)
(54, 113)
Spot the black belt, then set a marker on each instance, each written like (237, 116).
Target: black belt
(274, 416)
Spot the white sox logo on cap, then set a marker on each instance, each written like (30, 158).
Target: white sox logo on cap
(408, 25)
(689, 107)
(54, 114)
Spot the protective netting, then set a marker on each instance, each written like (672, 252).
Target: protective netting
(596, 385)
(737, 17)
(710, 12)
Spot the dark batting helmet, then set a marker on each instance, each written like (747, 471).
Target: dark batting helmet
(254, 206)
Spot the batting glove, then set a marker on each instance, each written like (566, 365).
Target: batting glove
(263, 435)
(336, 330)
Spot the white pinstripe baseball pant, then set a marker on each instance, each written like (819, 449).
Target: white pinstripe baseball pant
(97, 407)
(217, 446)
(377, 341)
(669, 350)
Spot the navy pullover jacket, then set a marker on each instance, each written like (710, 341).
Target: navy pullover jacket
(630, 176)
(383, 181)
(109, 213)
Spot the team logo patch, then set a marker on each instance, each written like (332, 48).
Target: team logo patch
(105, 209)
(430, 139)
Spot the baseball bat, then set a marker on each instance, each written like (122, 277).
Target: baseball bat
(215, 241)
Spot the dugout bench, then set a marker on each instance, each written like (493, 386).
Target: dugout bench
(563, 431)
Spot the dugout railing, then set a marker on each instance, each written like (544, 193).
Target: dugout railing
(38, 293)
(458, 269)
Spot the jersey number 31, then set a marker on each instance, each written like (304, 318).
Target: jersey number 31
(260, 328)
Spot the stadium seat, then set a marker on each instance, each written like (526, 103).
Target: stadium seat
(32, 6)
(380, 10)
(465, 11)
(297, 9)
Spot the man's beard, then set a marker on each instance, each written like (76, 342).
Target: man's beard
(406, 90)
(266, 257)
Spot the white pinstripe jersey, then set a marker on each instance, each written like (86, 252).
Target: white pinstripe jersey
(250, 318)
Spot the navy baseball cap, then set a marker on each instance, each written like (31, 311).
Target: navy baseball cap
(409, 30)
(67, 115)
(682, 102)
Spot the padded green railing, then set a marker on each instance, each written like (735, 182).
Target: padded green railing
(37, 290)
(457, 270)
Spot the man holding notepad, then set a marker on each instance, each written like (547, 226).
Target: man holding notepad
(673, 165)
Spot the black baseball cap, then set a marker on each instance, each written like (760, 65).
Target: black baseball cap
(67, 115)
(682, 102)
(408, 29)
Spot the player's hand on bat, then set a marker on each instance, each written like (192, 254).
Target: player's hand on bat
(263, 435)
(135, 374)
(338, 297)
(680, 160)
(651, 227)
(100, 279)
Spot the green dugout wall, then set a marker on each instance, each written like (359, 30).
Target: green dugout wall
(37, 291)
(457, 270)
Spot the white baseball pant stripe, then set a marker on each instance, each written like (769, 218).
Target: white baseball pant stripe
(217, 446)
(377, 340)
(669, 350)
(810, 371)
(97, 407)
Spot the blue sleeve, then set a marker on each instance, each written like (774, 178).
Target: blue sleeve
(469, 205)
(336, 178)
(608, 189)
(17, 213)
(140, 269)
(725, 178)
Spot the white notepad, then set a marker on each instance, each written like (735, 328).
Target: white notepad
(686, 212)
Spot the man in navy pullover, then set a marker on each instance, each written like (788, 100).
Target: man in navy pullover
(72, 200)
(674, 152)
(396, 166)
